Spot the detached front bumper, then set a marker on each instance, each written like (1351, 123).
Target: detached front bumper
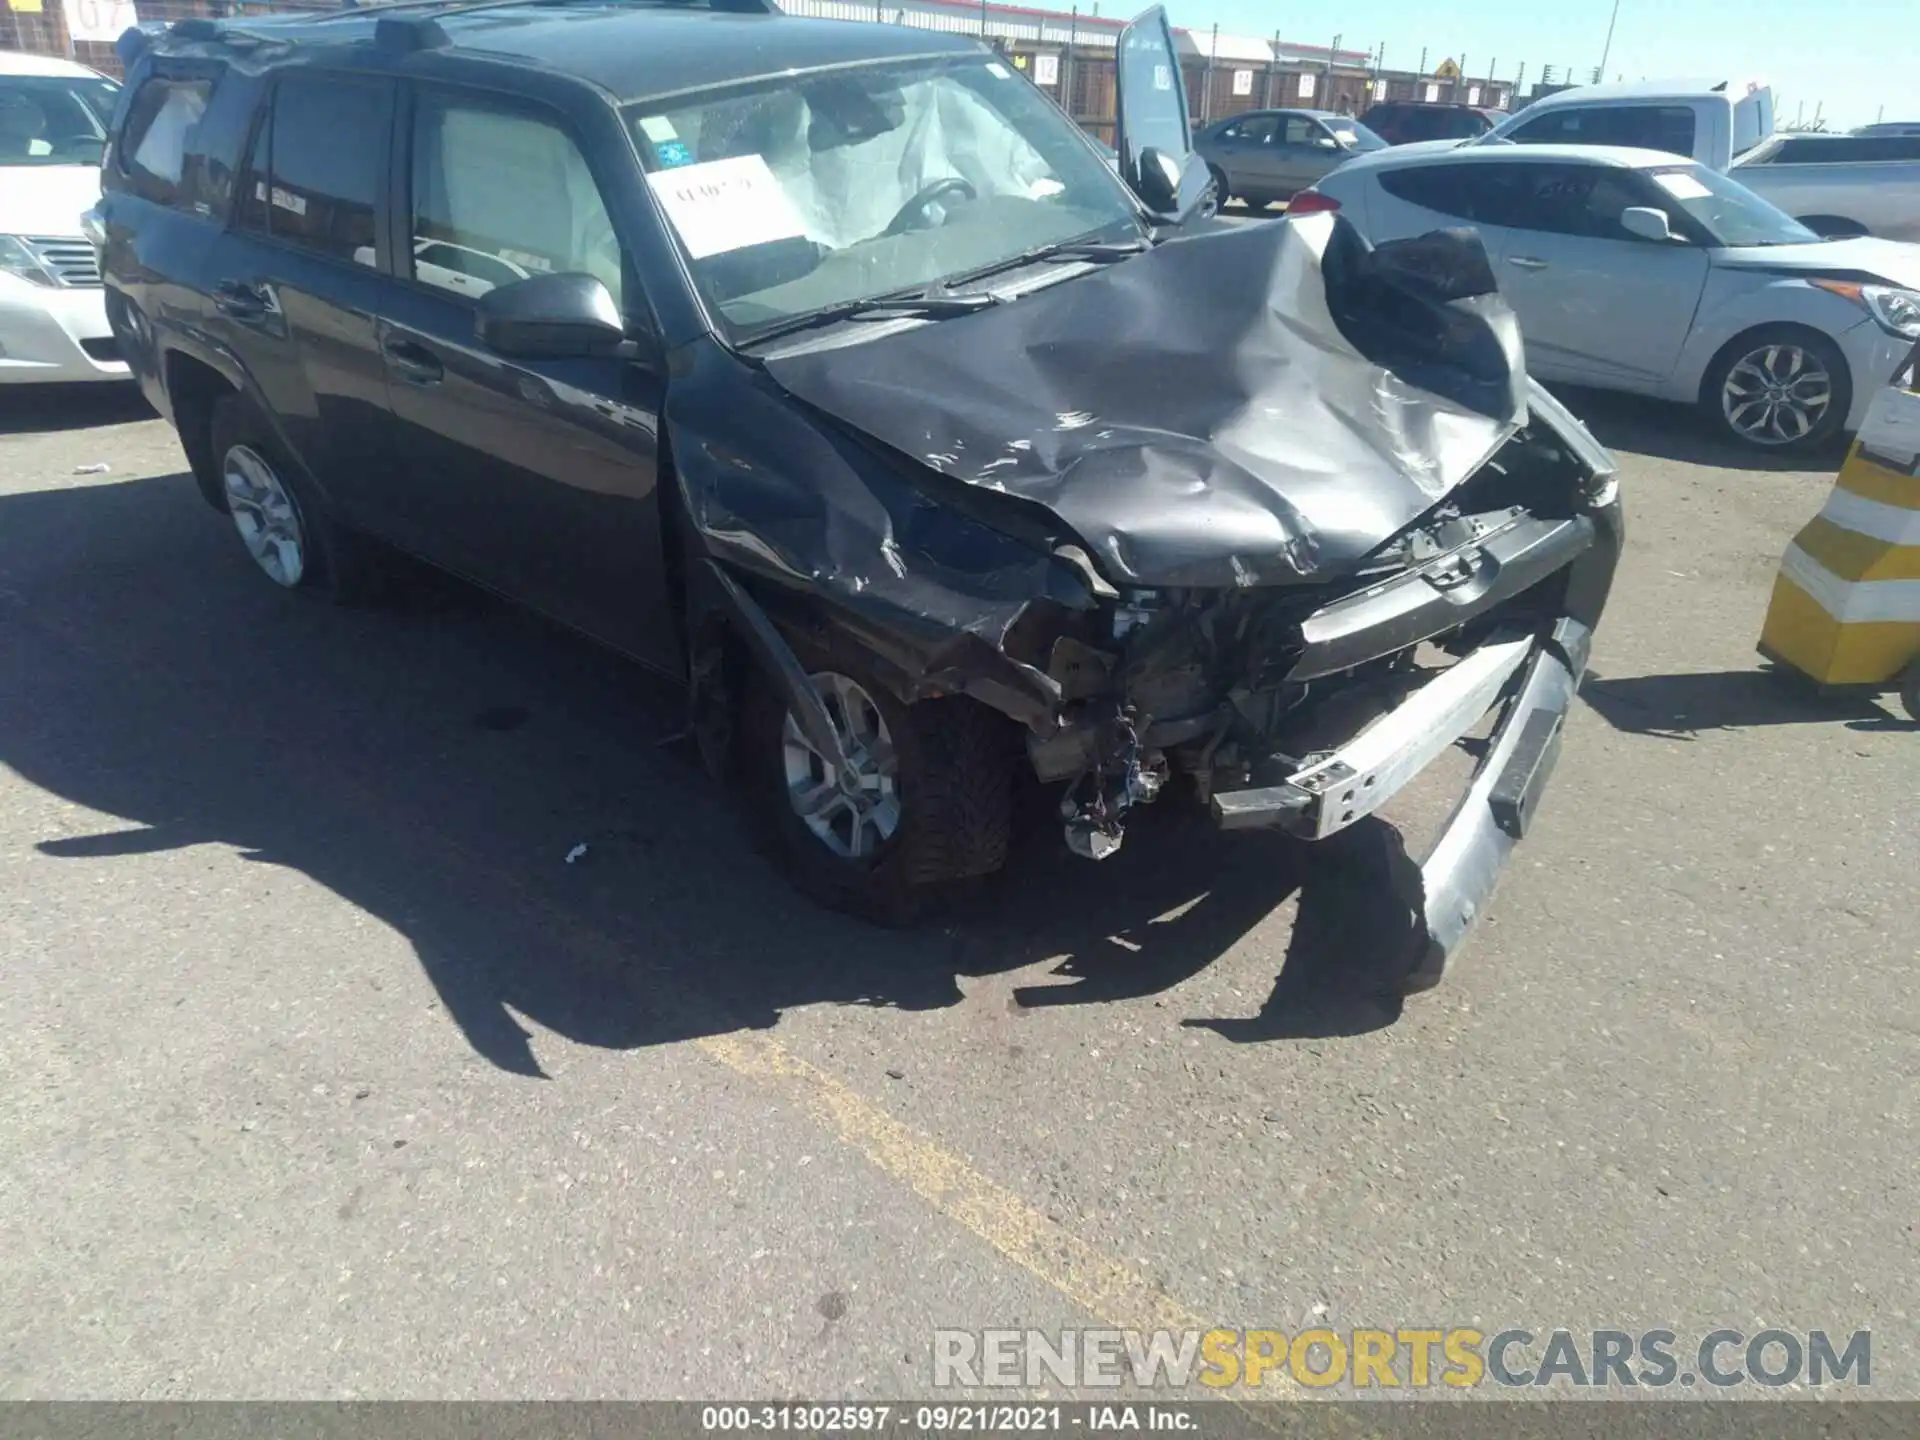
(55, 334)
(1530, 677)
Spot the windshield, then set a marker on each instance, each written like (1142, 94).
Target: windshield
(1352, 134)
(808, 192)
(1727, 210)
(54, 119)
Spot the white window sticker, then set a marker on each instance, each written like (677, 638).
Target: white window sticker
(1163, 77)
(725, 205)
(1682, 186)
(659, 129)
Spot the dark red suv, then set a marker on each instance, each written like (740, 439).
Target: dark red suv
(1400, 122)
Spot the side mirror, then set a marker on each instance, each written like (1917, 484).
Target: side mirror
(1159, 181)
(1325, 142)
(1646, 222)
(550, 317)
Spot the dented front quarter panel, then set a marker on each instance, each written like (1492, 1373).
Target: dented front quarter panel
(828, 533)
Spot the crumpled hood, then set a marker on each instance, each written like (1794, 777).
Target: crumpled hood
(1198, 416)
(46, 199)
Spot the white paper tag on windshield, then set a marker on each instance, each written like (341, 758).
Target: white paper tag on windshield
(658, 128)
(1681, 185)
(726, 205)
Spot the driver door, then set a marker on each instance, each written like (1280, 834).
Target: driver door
(534, 477)
(1150, 106)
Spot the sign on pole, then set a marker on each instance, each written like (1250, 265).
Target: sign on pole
(1046, 70)
(1243, 82)
(99, 20)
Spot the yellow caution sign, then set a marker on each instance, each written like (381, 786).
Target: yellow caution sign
(1846, 605)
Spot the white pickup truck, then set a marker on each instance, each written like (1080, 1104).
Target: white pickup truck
(1835, 184)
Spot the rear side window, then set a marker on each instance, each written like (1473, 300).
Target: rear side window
(1479, 194)
(153, 145)
(1840, 150)
(183, 137)
(325, 153)
(1644, 127)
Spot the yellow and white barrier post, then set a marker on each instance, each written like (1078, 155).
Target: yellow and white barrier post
(1846, 605)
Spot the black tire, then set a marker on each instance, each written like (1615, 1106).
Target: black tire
(954, 781)
(1815, 345)
(337, 565)
(1221, 194)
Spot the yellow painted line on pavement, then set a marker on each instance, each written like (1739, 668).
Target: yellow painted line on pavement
(1114, 1294)
(1109, 1290)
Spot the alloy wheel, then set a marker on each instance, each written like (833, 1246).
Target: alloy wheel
(265, 515)
(1776, 394)
(855, 809)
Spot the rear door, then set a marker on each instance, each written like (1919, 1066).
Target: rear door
(534, 477)
(300, 283)
(1245, 151)
(1596, 303)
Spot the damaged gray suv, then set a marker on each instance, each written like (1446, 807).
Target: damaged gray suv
(829, 368)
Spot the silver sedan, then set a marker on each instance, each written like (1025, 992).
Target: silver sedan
(1633, 270)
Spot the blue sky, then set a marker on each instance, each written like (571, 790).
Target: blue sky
(1854, 58)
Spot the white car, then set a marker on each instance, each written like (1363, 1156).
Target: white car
(53, 318)
(1636, 270)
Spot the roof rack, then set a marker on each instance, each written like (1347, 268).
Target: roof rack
(420, 28)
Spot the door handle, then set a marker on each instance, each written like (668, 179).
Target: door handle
(416, 363)
(1526, 262)
(241, 301)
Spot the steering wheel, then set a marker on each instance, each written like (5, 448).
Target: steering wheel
(913, 215)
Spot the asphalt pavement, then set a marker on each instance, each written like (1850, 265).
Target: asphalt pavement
(324, 1074)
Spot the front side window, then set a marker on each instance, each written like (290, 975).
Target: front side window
(1257, 131)
(1353, 135)
(54, 119)
(324, 162)
(498, 196)
(808, 192)
(1302, 131)
(1728, 212)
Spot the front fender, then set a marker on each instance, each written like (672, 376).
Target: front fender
(1736, 302)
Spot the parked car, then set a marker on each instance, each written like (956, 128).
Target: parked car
(1890, 127)
(1712, 121)
(1402, 122)
(929, 455)
(1728, 126)
(1840, 185)
(53, 121)
(1267, 155)
(1636, 270)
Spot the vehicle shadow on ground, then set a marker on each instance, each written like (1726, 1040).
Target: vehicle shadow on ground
(40, 409)
(435, 763)
(1679, 707)
(1667, 431)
